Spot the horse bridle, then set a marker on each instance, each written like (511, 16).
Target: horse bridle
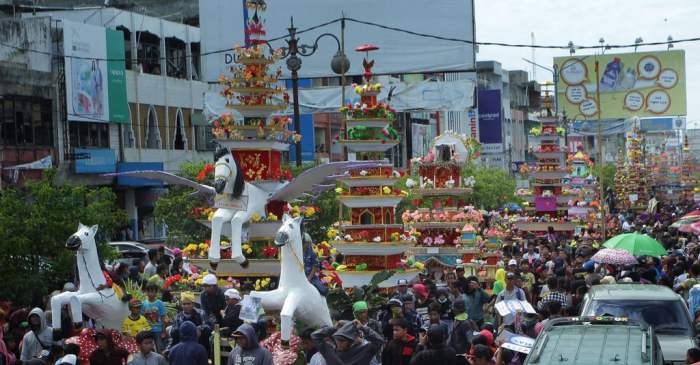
(230, 171)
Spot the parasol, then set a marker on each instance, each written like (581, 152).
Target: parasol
(636, 244)
(693, 228)
(614, 256)
(695, 213)
(685, 220)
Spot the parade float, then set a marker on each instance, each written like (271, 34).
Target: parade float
(633, 188)
(665, 178)
(547, 205)
(688, 178)
(439, 197)
(368, 234)
(580, 187)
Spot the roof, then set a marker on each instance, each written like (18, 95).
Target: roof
(632, 292)
(584, 344)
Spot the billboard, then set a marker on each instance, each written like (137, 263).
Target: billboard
(490, 123)
(222, 25)
(95, 73)
(644, 84)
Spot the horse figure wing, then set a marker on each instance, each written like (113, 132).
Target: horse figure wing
(319, 178)
(167, 178)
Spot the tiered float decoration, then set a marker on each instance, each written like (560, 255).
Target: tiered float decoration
(372, 240)
(546, 202)
(257, 140)
(580, 187)
(619, 179)
(635, 188)
(689, 183)
(438, 200)
(665, 178)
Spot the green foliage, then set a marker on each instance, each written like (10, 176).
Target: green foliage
(175, 208)
(340, 302)
(608, 174)
(35, 222)
(493, 188)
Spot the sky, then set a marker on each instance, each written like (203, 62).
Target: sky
(556, 22)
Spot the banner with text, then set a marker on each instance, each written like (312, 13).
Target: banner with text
(95, 73)
(644, 84)
(490, 123)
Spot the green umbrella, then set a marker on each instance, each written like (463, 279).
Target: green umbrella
(636, 244)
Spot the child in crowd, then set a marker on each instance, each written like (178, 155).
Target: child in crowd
(135, 322)
(154, 311)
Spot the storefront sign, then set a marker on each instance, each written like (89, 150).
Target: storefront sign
(94, 160)
(490, 121)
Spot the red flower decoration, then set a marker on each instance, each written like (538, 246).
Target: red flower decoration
(208, 169)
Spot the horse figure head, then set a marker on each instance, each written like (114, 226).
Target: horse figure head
(289, 234)
(83, 239)
(228, 176)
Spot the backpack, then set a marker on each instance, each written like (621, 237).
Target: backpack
(694, 299)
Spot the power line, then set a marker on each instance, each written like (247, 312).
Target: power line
(386, 27)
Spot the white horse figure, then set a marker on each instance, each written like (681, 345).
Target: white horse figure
(248, 198)
(102, 305)
(295, 297)
(228, 180)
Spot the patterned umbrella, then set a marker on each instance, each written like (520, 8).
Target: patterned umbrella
(614, 256)
(685, 220)
(693, 228)
(695, 213)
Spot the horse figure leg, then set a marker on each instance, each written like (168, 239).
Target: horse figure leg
(220, 216)
(58, 301)
(287, 316)
(236, 231)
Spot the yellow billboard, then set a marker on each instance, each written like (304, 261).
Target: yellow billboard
(644, 84)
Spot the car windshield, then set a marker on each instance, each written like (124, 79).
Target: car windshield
(665, 316)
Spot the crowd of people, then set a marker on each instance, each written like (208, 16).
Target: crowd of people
(444, 316)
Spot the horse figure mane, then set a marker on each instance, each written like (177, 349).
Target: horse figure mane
(239, 181)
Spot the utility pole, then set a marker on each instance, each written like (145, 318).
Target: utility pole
(601, 166)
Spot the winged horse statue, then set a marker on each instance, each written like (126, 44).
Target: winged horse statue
(295, 296)
(249, 198)
(92, 298)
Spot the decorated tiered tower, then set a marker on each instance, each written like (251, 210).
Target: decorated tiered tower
(688, 180)
(369, 236)
(634, 187)
(580, 187)
(438, 213)
(256, 138)
(547, 203)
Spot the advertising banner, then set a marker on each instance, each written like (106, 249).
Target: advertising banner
(644, 84)
(223, 24)
(490, 123)
(98, 160)
(95, 73)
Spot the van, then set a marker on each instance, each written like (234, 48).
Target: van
(595, 340)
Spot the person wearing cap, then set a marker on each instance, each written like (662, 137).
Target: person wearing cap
(135, 322)
(511, 291)
(395, 309)
(360, 310)
(212, 299)
(474, 300)
(401, 288)
(512, 265)
(248, 351)
(432, 349)
(355, 344)
(190, 314)
(463, 328)
(232, 311)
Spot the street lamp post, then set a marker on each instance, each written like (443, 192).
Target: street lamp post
(340, 64)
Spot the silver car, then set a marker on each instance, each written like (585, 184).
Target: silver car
(655, 305)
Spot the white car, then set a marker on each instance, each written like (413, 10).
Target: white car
(130, 251)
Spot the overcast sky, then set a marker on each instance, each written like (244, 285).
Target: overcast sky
(556, 22)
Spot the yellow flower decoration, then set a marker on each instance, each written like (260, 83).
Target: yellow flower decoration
(405, 193)
(332, 233)
(341, 268)
(386, 190)
(339, 190)
(272, 218)
(419, 265)
(255, 217)
(333, 251)
(310, 211)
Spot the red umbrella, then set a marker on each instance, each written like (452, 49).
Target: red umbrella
(366, 47)
(693, 228)
(695, 213)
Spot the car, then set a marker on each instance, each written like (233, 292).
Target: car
(595, 340)
(130, 251)
(656, 305)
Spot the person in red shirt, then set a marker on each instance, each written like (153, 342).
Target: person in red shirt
(401, 348)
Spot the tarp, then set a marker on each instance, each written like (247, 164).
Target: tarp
(222, 25)
(422, 96)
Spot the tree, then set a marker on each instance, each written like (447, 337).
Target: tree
(606, 174)
(493, 187)
(175, 208)
(35, 222)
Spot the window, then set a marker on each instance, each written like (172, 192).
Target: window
(176, 60)
(128, 133)
(194, 48)
(148, 50)
(205, 138)
(180, 135)
(153, 140)
(26, 121)
(366, 218)
(85, 134)
(127, 46)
